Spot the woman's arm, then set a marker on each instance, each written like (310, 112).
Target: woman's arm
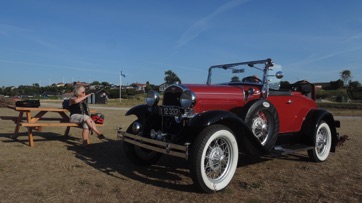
(75, 100)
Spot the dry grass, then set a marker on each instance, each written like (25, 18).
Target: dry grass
(58, 170)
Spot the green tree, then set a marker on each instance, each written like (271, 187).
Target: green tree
(336, 84)
(346, 77)
(105, 84)
(235, 79)
(354, 84)
(95, 83)
(171, 77)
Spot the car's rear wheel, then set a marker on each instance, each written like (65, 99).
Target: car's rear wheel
(323, 141)
(214, 158)
(139, 155)
(263, 121)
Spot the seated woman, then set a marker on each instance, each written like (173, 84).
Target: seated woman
(79, 113)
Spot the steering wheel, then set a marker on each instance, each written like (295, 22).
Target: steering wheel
(252, 79)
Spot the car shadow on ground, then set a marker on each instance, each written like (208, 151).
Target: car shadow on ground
(107, 157)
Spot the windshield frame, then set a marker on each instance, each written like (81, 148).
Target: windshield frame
(268, 63)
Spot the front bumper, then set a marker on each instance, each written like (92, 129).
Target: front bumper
(171, 149)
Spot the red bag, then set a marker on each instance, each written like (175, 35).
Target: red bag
(98, 118)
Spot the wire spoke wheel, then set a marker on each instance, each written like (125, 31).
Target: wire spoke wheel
(262, 119)
(260, 127)
(217, 158)
(323, 143)
(214, 158)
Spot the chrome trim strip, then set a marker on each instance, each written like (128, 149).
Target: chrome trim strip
(155, 145)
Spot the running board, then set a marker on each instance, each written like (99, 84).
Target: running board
(289, 149)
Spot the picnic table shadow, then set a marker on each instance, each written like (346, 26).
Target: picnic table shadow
(108, 157)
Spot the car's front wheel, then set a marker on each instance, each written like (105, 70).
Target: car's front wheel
(214, 158)
(139, 155)
(323, 141)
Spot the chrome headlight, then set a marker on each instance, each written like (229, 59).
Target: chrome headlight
(188, 99)
(152, 98)
(136, 128)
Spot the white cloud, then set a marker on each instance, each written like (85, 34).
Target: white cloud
(6, 29)
(47, 45)
(201, 25)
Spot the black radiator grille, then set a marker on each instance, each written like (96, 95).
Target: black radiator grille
(172, 96)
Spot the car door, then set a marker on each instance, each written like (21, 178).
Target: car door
(292, 109)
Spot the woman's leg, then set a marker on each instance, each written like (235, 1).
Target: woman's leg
(85, 136)
(92, 126)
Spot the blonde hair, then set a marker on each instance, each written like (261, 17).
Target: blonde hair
(78, 90)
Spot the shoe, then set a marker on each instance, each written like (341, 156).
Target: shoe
(85, 146)
(101, 136)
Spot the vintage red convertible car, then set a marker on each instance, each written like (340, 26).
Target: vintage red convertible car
(241, 109)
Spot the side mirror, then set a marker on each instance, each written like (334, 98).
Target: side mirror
(279, 75)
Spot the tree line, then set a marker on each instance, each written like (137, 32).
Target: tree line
(35, 90)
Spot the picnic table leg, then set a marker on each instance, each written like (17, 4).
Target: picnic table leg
(30, 135)
(17, 126)
(67, 131)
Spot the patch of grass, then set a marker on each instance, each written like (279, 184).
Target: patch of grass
(250, 186)
(84, 182)
(336, 105)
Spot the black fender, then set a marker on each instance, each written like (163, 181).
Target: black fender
(143, 111)
(212, 117)
(310, 125)
(147, 116)
(247, 142)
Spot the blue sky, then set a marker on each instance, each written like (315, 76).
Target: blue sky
(51, 41)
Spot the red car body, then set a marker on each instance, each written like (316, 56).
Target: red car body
(210, 124)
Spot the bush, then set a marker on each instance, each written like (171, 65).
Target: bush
(327, 105)
(332, 95)
(355, 94)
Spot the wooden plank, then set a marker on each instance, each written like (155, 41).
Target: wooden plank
(48, 124)
(52, 124)
(15, 118)
(41, 109)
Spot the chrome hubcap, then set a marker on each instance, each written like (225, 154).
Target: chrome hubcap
(260, 127)
(217, 158)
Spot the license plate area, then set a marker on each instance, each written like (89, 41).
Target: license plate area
(169, 110)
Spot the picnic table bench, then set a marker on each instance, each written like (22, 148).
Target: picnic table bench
(36, 122)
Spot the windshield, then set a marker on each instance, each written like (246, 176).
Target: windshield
(244, 74)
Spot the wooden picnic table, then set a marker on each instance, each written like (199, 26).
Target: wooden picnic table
(26, 119)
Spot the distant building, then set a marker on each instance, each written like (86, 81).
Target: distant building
(99, 97)
(322, 85)
(139, 87)
(162, 87)
(60, 84)
(48, 94)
